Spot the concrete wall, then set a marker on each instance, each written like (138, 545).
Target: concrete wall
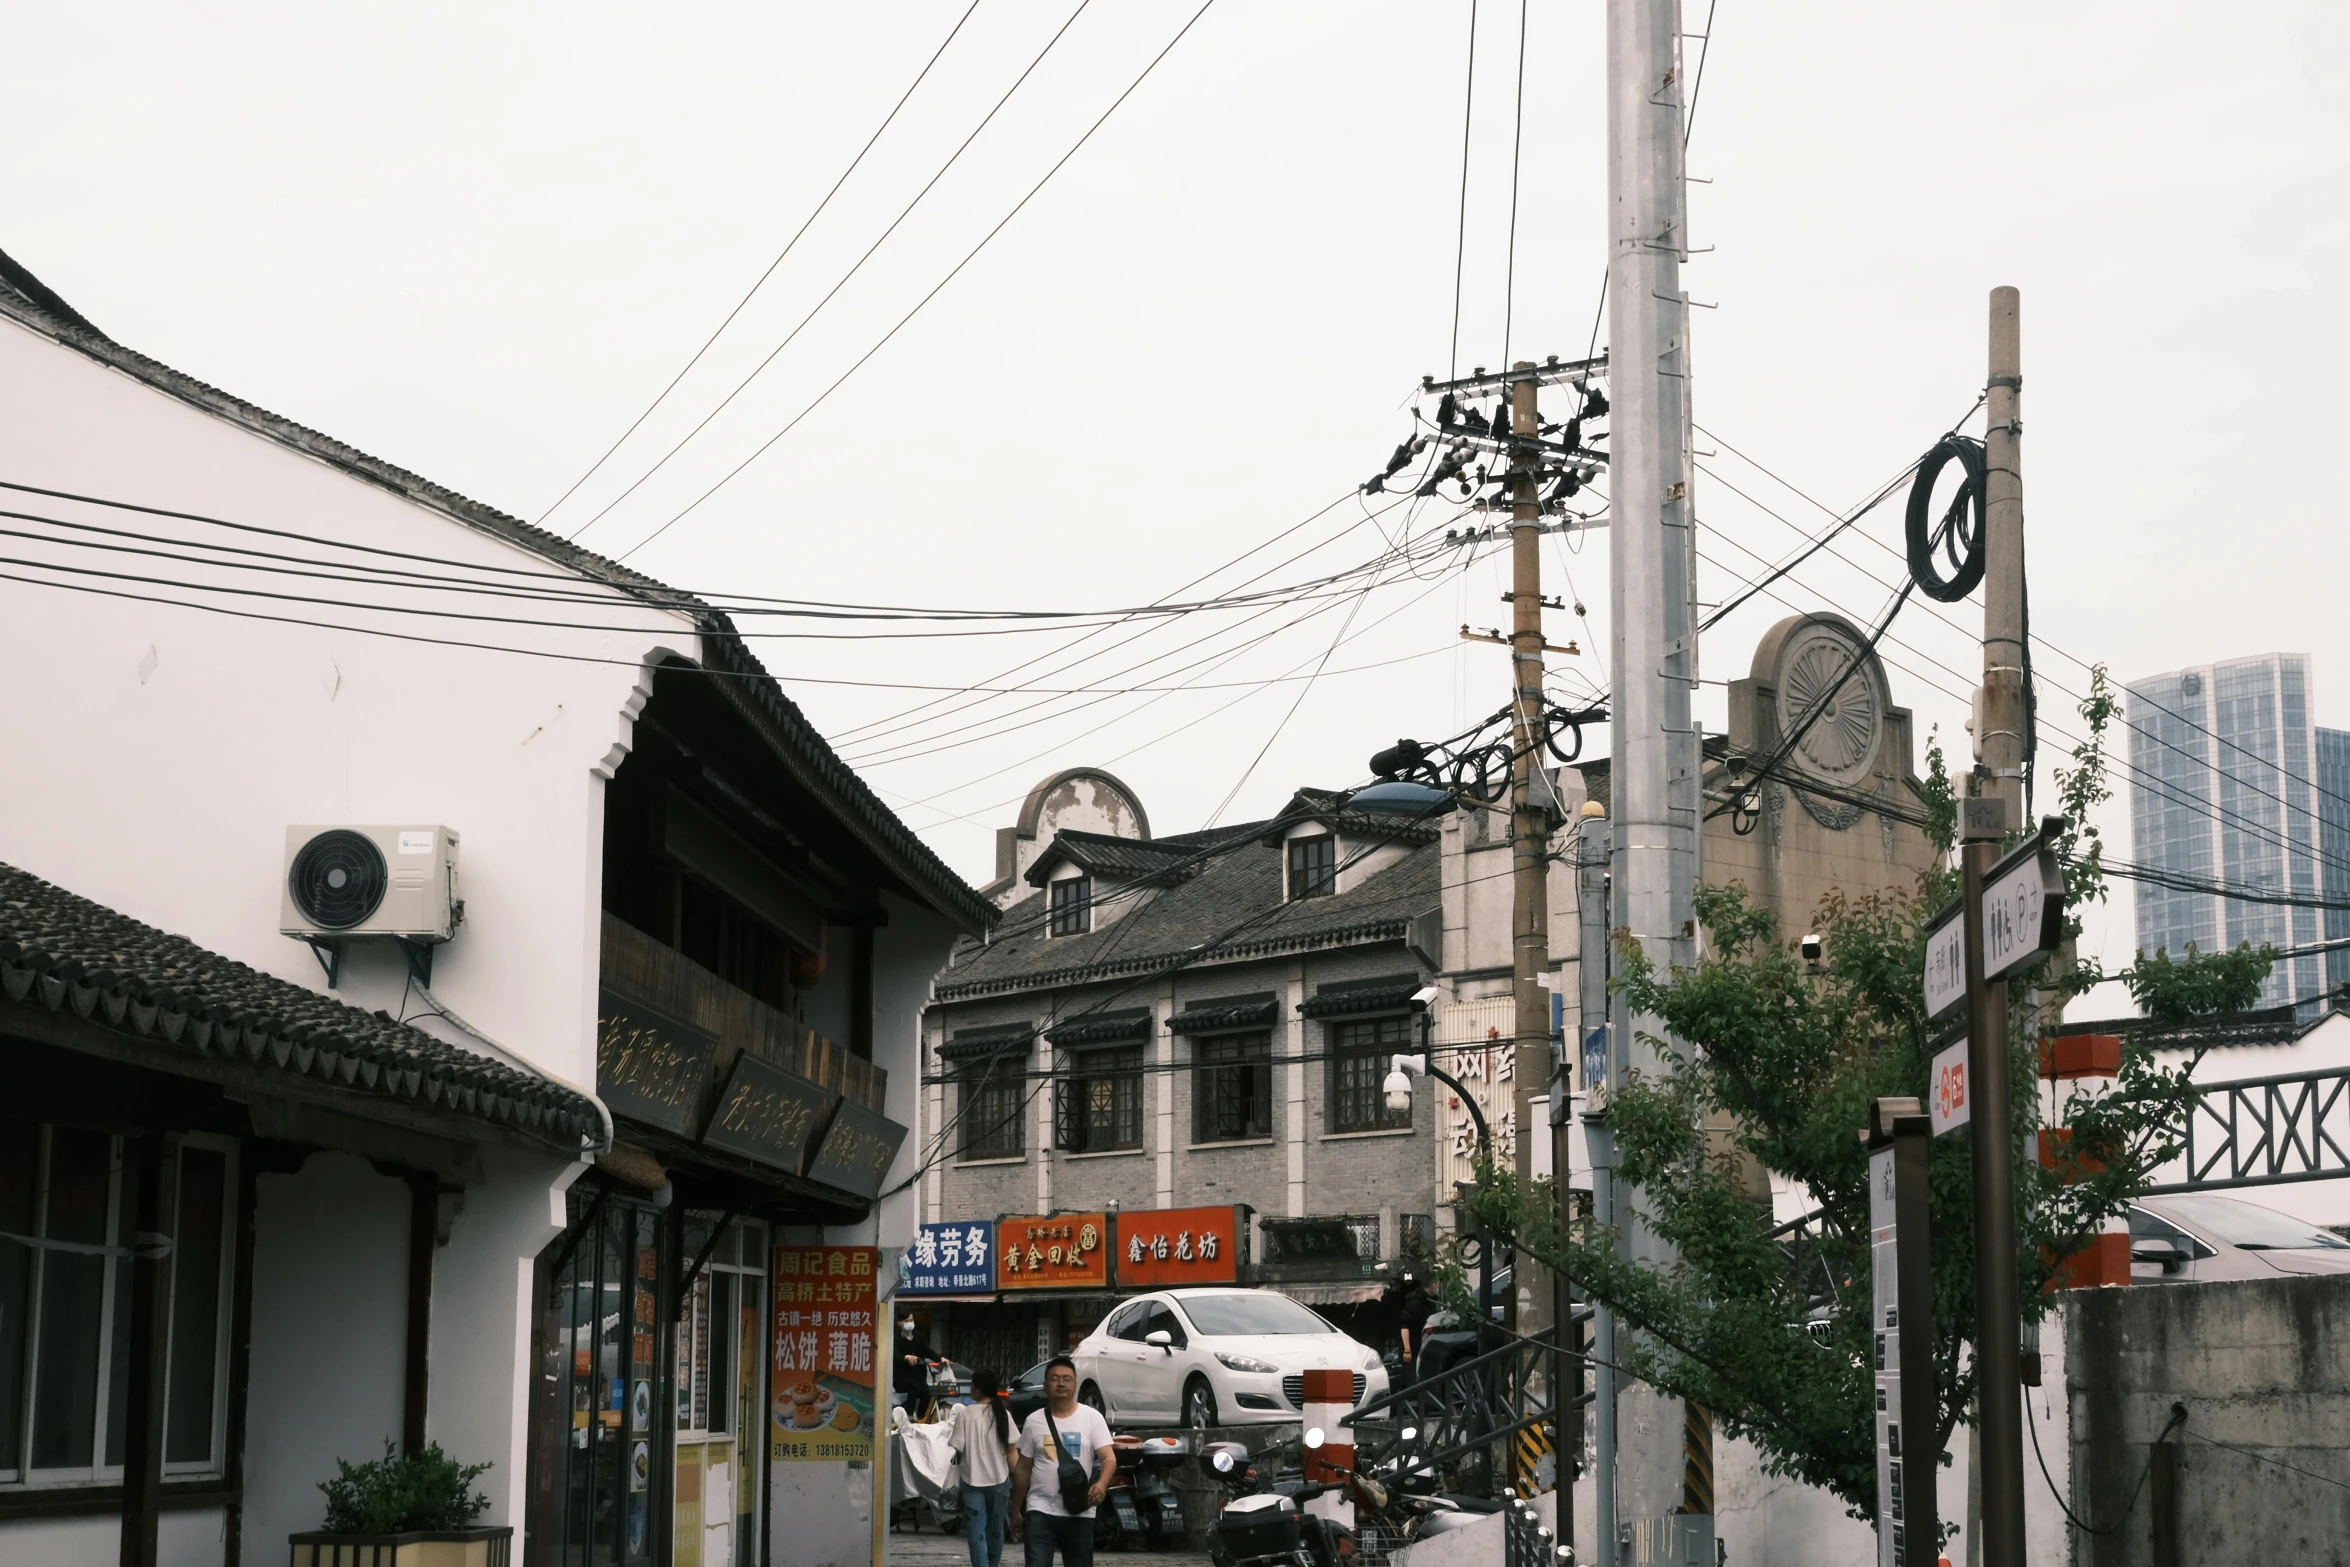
(330, 1313)
(2263, 1370)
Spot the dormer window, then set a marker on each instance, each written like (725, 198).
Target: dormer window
(1072, 906)
(1313, 867)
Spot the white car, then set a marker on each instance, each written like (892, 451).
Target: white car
(1210, 1357)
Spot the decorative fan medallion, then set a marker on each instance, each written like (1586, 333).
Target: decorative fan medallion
(1841, 742)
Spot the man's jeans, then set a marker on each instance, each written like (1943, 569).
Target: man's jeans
(984, 1510)
(1073, 1537)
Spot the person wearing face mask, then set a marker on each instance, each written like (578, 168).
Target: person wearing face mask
(910, 1367)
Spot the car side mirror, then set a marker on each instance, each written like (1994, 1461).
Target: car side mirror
(2160, 1249)
(1162, 1338)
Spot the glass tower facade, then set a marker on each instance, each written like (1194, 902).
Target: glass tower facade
(2333, 844)
(2225, 788)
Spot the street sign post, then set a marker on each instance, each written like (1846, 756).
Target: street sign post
(1901, 1331)
(1947, 1103)
(2023, 916)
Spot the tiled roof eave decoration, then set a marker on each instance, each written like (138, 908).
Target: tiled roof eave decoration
(1218, 1020)
(1361, 1000)
(1382, 929)
(980, 1044)
(1102, 1029)
(63, 954)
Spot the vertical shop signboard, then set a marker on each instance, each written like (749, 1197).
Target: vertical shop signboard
(824, 1409)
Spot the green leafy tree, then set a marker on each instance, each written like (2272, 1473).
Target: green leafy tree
(1774, 1066)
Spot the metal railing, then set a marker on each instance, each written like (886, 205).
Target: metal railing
(2267, 1131)
(1465, 1412)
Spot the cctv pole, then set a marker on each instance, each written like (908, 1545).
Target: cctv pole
(1654, 773)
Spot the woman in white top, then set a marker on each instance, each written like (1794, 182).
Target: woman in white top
(984, 1438)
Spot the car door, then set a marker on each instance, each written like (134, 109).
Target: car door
(1160, 1372)
(1120, 1360)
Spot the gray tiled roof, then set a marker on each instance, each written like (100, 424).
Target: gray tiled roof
(1232, 908)
(803, 751)
(2265, 1026)
(1109, 858)
(62, 953)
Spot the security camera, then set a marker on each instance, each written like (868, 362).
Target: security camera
(1811, 949)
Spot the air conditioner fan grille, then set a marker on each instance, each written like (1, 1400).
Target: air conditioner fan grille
(338, 879)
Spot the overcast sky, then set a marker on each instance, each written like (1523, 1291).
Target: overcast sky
(477, 239)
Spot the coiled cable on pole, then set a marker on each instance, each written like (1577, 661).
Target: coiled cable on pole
(1958, 533)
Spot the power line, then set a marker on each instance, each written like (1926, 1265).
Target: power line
(1509, 290)
(886, 121)
(1460, 243)
(952, 274)
(854, 268)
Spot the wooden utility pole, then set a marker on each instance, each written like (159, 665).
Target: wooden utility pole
(1999, 749)
(1530, 823)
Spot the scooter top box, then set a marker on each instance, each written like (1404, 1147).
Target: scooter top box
(1262, 1525)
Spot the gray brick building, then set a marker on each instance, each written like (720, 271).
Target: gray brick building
(1187, 1021)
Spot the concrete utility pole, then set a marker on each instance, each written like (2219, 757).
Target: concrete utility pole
(1999, 712)
(1654, 774)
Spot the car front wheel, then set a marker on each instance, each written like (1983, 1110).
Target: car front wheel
(1199, 1405)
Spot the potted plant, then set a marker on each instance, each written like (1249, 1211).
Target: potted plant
(417, 1510)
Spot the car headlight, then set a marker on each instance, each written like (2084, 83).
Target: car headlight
(1246, 1363)
(1371, 1360)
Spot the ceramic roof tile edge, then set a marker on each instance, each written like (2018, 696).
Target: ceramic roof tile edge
(811, 758)
(370, 1053)
(1103, 1028)
(1388, 929)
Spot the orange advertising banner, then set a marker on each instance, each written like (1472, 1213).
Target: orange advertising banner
(1177, 1246)
(825, 1408)
(1056, 1251)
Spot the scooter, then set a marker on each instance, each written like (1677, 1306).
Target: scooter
(1157, 1501)
(1264, 1524)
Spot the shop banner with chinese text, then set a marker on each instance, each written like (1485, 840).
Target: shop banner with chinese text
(1053, 1251)
(950, 1259)
(825, 1408)
(1177, 1246)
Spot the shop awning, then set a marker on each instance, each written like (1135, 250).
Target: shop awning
(82, 977)
(1350, 1293)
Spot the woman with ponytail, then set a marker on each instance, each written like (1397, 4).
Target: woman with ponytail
(984, 1437)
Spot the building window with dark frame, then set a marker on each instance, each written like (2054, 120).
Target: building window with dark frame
(1098, 1105)
(1072, 906)
(65, 1306)
(1313, 867)
(992, 1102)
(1359, 1050)
(1232, 1087)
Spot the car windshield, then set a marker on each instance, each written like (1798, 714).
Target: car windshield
(1251, 1313)
(2250, 1226)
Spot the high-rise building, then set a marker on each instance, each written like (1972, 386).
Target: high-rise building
(2225, 789)
(2333, 844)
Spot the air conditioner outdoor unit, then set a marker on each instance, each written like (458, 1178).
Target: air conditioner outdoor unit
(370, 881)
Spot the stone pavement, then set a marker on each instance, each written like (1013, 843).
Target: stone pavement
(929, 1548)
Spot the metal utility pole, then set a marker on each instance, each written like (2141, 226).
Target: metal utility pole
(1654, 773)
(2000, 718)
(1998, 1367)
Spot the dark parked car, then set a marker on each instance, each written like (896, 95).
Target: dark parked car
(1026, 1394)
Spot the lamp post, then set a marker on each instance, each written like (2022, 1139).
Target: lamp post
(1398, 1089)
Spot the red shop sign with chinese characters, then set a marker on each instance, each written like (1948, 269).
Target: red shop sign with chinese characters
(1177, 1246)
(1055, 1251)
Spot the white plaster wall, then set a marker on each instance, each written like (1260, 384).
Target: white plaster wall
(477, 1392)
(191, 1537)
(162, 751)
(330, 1313)
(2324, 1048)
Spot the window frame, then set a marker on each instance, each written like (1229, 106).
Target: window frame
(1346, 1054)
(1115, 1067)
(1070, 906)
(25, 1479)
(1214, 1058)
(1302, 881)
(976, 1139)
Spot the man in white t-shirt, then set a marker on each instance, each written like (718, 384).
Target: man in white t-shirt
(1040, 1517)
